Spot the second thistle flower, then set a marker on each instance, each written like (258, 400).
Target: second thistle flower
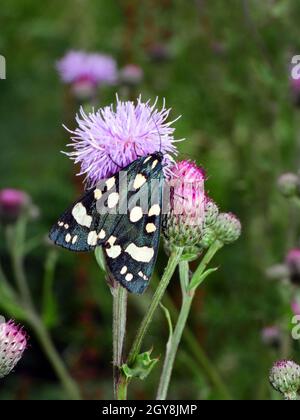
(183, 224)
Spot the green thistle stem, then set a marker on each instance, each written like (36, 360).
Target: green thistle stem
(119, 330)
(187, 299)
(160, 290)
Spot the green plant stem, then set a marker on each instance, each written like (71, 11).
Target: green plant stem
(187, 299)
(54, 358)
(160, 290)
(199, 354)
(119, 330)
(16, 239)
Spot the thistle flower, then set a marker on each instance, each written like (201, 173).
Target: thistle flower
(86, 71)
(183, 224)
(285, 378)
(110, 139)
(227, 228)
(13, 342)
(12, 203)
(288, 184)
(271, 336)
(292, 261)
(131, 75)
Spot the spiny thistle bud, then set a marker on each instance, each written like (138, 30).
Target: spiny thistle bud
(13, 342)
(208, 237)
(292, 261)
(288, 184)
(211, 211)
(285, 378)
(12, 203)
(183, 224)
(227, 228)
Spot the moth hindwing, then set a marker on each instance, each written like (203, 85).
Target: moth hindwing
(122, 214)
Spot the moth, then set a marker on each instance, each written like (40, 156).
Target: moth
(123, 214)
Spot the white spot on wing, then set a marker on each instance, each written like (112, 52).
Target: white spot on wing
(128, 277)
(114, 251)
(80, 215)
(110, 183)
(139, 181)
(102, 234)
(97, 194)
(112, 200)
(124, 270)
(92, 238)
(136, 214)
(74, 240)
(150, 227)
(68, 237)
(155, 162)
(154, 210)
(141, 254)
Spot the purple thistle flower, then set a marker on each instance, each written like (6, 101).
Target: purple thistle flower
(82, 67)
(13, 342)
(110, 139)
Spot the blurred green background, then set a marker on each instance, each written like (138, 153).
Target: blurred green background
(225, 69)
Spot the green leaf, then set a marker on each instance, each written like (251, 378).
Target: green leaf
(169, 320)
(189, 257)
(197, 280)
(141, 367)
(100, 258)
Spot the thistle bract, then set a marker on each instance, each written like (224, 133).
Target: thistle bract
(285, 378)
(13, 342)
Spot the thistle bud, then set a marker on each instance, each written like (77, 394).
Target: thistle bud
(183, 225)
(288, 184)
(208, 237)
(227, 228)
(12, 345)
(12, 203)
(211, 211)
(285, 378)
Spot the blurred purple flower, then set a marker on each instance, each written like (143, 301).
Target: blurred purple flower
(110, 139)
(12, 203)
(13, 342)
(292, 261)
(86, 71)
(271, 336)
(295, 306)
(131, 75)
